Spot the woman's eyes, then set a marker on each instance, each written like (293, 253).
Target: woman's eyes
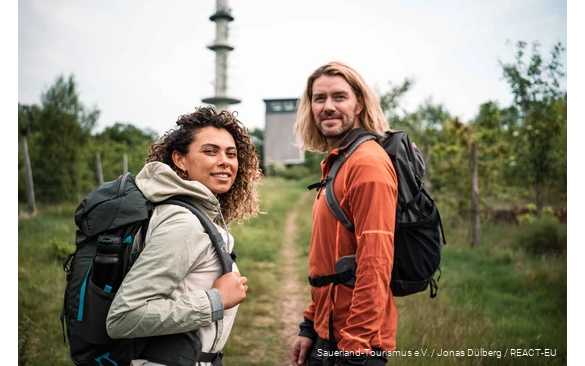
(231, 154)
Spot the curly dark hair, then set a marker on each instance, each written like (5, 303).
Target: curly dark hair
(242, 200)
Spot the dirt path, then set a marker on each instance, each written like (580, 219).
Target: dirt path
(292, 294)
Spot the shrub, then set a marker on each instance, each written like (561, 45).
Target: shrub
(292, 172)
(542, 236)
(58, 249)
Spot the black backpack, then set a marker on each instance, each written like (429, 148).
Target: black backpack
(115, 212)
(418, 234)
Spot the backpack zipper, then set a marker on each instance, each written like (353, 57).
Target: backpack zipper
(82, 294)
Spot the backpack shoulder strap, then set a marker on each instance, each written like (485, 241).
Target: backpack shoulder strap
(225, 258)
(344, 153)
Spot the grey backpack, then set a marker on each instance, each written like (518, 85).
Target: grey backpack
(112, 215)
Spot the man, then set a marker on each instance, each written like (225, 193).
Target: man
(363, 318)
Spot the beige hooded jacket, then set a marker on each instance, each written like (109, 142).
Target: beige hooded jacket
(168, 289)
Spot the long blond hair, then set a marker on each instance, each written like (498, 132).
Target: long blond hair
(308, 136)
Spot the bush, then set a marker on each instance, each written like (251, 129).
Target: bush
(542, 236)
(58, 249)
(291, 172)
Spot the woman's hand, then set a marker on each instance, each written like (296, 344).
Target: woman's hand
(232, 287)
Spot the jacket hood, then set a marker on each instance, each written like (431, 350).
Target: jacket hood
(158, 181)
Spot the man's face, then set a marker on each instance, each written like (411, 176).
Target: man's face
(335, 107)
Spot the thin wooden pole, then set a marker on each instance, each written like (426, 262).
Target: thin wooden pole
(30, 189)
(98, 165)
(474, 197)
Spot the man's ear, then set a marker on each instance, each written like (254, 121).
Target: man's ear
(179, 160)
(360, 105)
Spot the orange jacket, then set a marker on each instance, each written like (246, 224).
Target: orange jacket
(367, 190)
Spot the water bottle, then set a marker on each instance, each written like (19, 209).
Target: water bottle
(108, 264)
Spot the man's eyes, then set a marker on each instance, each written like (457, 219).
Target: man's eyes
(336, 97)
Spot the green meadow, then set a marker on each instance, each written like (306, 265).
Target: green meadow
(493, 301)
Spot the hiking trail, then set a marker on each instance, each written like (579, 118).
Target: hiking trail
(292, 294)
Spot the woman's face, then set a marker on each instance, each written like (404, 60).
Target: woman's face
(212, 159)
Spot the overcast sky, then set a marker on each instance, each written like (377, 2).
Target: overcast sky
(147, 62)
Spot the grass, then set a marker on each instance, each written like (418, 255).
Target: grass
(491, 298)
(41, 284)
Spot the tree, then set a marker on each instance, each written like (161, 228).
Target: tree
(63, 128)
(492, 141)
(119, 140)
(541, 132)
(258, 139)
(450, 161)
(127, 133)
(390, 102)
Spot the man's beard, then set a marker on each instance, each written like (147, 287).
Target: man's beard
(342, 130)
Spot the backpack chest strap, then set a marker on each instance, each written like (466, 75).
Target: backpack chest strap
(321, 281)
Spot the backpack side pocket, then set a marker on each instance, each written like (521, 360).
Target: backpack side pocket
(417, 248)
(89, 339)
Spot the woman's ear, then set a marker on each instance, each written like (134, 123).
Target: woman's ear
(179, 160)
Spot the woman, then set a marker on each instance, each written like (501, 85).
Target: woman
(176, 286)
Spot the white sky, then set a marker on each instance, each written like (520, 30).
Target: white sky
(147, 62)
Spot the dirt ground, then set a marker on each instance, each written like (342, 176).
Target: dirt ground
(292, 294)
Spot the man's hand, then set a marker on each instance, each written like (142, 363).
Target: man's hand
(299, 351)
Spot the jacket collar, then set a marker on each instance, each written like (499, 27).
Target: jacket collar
(351, 136)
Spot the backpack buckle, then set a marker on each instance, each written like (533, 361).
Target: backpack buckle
(346, 275)
(317, 281)
(322, 280)
(319, 184)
